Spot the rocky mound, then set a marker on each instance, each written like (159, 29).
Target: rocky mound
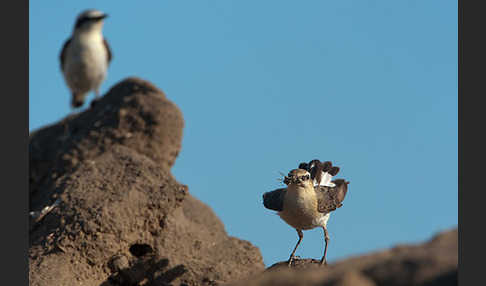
(432, 263)
(119, 217)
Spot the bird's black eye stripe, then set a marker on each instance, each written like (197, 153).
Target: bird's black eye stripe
(85, 19)
(305, 178)
(81, 21)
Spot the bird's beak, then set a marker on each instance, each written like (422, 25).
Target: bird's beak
(102, 17)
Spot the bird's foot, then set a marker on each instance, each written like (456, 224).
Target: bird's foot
(323, 262)
(289, 262)
(292, 259)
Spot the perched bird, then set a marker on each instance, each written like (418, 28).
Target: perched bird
(309, 199)
(85, 56)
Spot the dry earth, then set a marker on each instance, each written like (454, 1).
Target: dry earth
(433, 263)
(122, 218)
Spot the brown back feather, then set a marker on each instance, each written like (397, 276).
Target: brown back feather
(331, 198)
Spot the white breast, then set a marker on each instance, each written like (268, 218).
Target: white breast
(86, 62)
(300, 209)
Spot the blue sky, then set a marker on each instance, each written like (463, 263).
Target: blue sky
(264, 85)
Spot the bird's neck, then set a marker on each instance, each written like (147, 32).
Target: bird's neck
(88, 35)
(301, 191)
(302, 200)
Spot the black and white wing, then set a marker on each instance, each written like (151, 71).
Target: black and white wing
(108, 50)
(274, 200)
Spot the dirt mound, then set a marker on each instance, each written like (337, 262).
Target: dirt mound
(120, 216)
(432, 263)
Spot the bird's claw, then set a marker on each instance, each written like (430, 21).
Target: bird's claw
(291, 259)
(289, 263)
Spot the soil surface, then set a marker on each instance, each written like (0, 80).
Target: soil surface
(433, 263)
(121, 218)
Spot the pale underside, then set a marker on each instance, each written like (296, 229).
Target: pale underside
(86, 64)
(300, 209)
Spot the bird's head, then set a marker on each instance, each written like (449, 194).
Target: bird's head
(90, 20)
(298, 177)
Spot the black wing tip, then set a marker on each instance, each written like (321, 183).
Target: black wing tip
(265, 195)
(326, 166)
(273, 200)
(108, 49)
(334, 171)
(340, 182)
(265, 201)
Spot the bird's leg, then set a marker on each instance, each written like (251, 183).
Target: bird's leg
(326, 239)
(301, 235)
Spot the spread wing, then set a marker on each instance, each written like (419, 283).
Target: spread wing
(274, 200)
(62, 56)
(331, 198)
(110, 54)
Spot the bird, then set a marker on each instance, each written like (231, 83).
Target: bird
(308, 200)
(85, 56)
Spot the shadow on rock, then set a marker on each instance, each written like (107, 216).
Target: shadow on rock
(146, 271)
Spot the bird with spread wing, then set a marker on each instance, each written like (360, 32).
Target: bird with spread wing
(309, 198)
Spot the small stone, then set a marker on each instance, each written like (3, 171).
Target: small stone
(118, 262)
